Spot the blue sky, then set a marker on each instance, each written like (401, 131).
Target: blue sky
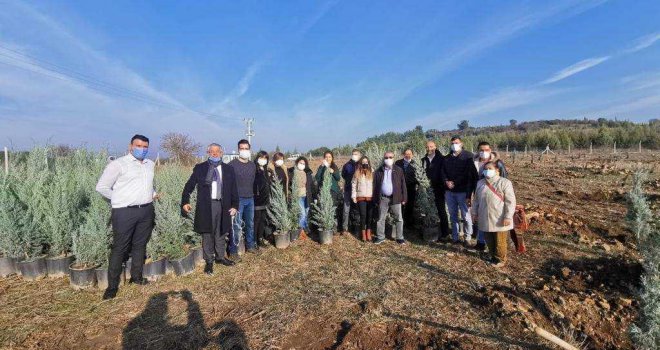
(316, 73)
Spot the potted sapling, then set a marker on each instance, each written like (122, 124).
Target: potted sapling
(295, 211)
(11, 214)
(279, 216)
(425, 212)
(323, 212)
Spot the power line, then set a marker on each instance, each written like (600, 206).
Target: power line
(94, 83)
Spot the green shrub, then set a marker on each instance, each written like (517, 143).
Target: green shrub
(426, 213)
(323, 211)
(294, 208)
(278, 210)
(12, 214)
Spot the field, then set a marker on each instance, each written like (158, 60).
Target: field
(577, 280)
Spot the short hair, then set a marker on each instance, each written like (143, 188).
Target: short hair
(244, 142)
(456, 137)
(483, 143)
(430, 141)
(139, 137)
(493, 163)
(408, 149)
(213, 144)
(278, 155)
(356, 150)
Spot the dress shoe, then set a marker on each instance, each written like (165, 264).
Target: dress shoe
(225, 262)
(141, 281)
(208, 268)
(110, 293)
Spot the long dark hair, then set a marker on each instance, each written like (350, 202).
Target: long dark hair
(332, 164)
(368, 172)
(260, 154)
(307, 169)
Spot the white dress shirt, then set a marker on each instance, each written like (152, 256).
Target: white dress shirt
(127, 181)
(214, 184)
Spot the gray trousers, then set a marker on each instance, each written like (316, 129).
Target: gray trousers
(348, 202)
(384, 207)
(214, 244)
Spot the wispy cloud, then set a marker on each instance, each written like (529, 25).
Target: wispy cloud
(575, 69)
(644, 42)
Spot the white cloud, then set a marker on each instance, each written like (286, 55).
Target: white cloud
(575, 68)
(644, 42)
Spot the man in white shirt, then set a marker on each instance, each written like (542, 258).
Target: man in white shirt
(128, 183)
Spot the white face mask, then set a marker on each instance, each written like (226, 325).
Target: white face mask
(484, 155)
(355, 157)
(389, 162)
(262, 161)
(244, 153)
(456, 147)
(325, 163)
(489, 173)
(279, 162)
(301, 166)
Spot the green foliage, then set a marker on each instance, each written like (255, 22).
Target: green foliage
(172, 231)
(323, 211)
(294, 208)
(278, 210)
(646, 333)
(12, 213)
(426, 213)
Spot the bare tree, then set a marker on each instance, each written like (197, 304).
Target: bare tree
(180, 147)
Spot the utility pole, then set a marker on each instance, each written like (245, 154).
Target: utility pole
(249, 132)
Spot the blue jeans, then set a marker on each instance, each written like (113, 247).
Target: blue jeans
(304, 207)
(481, 237)
(458, 201)
(246, 213)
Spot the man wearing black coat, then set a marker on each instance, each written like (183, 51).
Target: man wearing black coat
(432, 164)
(389, 194)
(407, 163)
(217, 203)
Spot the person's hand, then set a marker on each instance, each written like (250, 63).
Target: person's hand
(475, 217)
(506, 222)
(468, 201)
(187, 208)
(355, 200)
(157, 196)
(233, 211)
(332, 171)
(450, 184)
(403, 203)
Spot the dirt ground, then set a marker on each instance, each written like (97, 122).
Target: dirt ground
(576, 280)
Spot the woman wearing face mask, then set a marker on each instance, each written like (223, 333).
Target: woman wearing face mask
(302, 174)
(493, 209)
(335, 175)
(362, 193)
(262, 180)
(281, 173)
(485, 155)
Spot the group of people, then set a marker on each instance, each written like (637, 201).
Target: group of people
(235, 197)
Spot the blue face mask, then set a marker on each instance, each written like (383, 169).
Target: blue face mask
(489, 173)
(139, 152)
(215, 159)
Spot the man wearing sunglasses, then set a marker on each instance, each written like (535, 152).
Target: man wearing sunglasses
(389, 194)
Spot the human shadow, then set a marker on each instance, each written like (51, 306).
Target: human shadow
(153, 329)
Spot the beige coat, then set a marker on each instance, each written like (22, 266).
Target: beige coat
(490, 209)
(362, 186)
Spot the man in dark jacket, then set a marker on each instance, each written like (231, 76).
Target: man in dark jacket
(432, 164)
(217, 203)
(347, 172)
(389, 194)
(460, 178)
(407, 164)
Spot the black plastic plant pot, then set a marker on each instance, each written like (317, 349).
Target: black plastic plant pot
(241, 245)
(183, 266)
(82, 277)
(58, 266)
(154, 270)
(430, 233)
(325, 236)
(7, 267)
(198, 255)
(294, 235)
(32, 269)
(102, 277)
(282, 240)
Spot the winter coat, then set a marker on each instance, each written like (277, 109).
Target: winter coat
(433, 170)
(347, 172)
(203, 216)
(362, 186)
(409, 172)
(459, 169)
(310, 187)
(490, 209)
(493, 158)
(262, 180)
(399, 189)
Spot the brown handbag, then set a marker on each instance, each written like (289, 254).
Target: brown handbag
(520, 223)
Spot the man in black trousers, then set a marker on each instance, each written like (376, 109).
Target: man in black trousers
(128, 183)
(407, 164)
(217, 203)
(432, 163)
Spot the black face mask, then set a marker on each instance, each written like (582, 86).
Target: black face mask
(365, 165)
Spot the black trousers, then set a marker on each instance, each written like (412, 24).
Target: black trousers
(131, 231)
(442, 211)
(260, 225)
(409, 207)
(214, 244)
(366, 212)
